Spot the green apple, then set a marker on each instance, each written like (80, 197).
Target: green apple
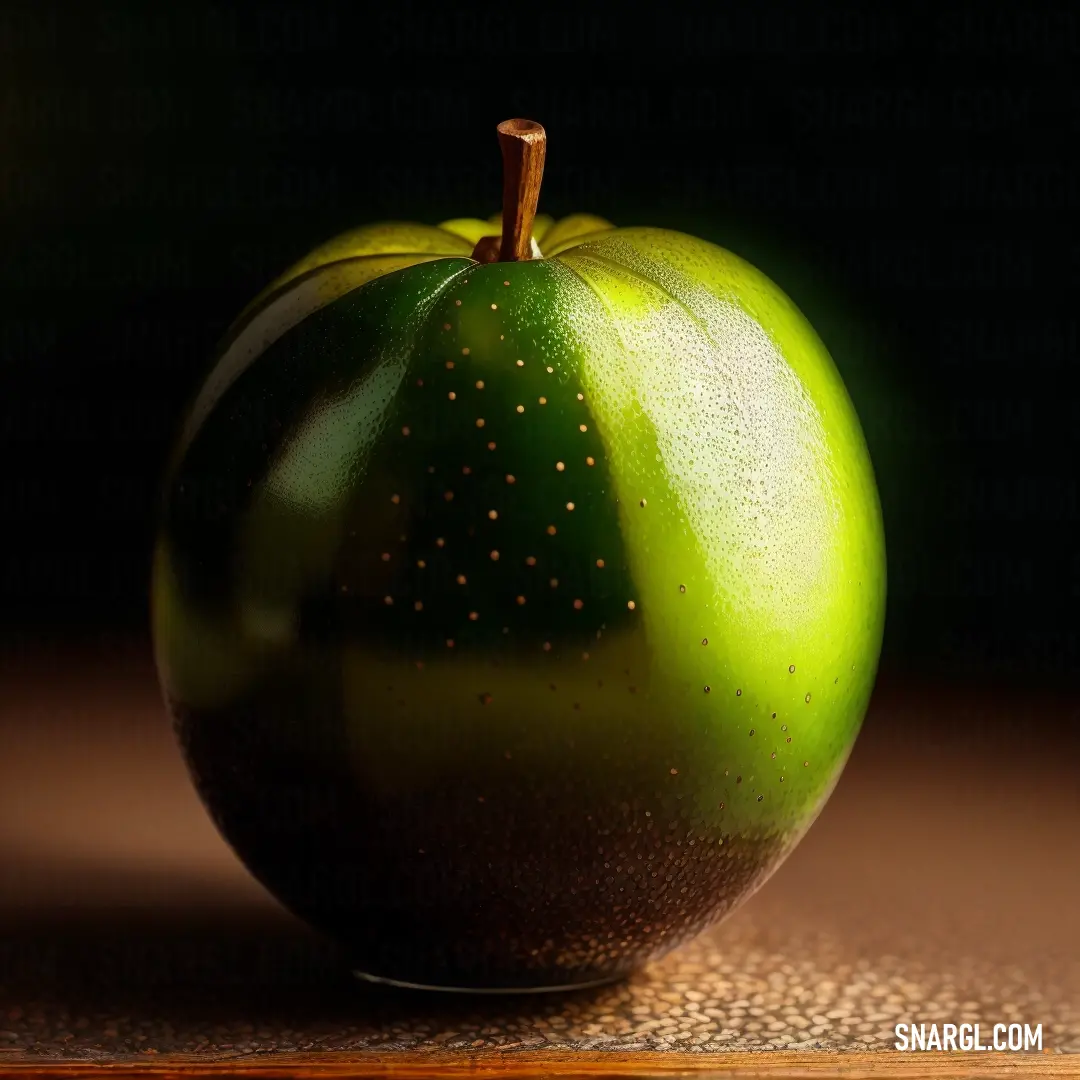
(518, 597)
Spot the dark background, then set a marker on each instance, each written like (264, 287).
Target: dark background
(904, 178)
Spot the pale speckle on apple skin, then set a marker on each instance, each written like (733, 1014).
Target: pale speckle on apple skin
(731, 422)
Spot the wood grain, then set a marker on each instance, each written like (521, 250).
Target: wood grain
(573, 1066)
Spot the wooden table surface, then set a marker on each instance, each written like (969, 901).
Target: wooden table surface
(941, 884)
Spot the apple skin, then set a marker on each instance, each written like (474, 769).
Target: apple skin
(517, 619)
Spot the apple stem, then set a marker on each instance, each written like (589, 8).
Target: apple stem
(524, 145)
